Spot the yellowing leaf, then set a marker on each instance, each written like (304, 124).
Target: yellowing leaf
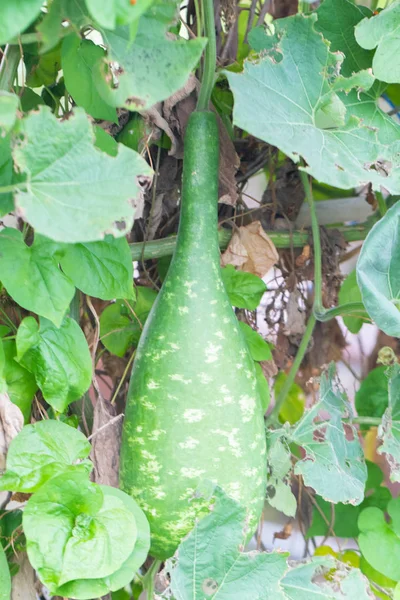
(251, 250)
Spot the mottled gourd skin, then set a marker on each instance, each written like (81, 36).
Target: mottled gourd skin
(193, 410)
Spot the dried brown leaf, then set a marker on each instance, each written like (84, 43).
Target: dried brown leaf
(251, 250)
(11, 423)
(106, 441)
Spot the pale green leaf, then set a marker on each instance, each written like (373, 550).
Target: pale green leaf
(117, 12)
(382, 32)
(51, 27)
(15, 16)
(42, 451)
(378, 272)
(245, 290)
(336, 22)
(100, 269)
(5, 577)
(86, 588)
(375, 576)
(389, 429)
(279, 96)
(153, 66)
(379, 540)
(104, 141)
(350, 292)
(78, 59)
(32, 277)
(333, 465)
(21, 385)
(8, 111)
(74, 527)
(74, 192)
(259, 349)
(58, 358)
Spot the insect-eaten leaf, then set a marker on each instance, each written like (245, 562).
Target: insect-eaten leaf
(362, 149)
(389, 429)
(42, 451)
(251, 250)
(378, 272)
(74, 528)
(381, 32)
(210, 564)
(328, 448)
(58, 358)
(74, 193)
(151, 67)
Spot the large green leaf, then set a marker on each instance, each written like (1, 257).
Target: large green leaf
(100, 269)
(381, 32)
(58, 358)
(42, 451)
(5, 577)
(86, 588)
(74, 192)
(301, 107)
(74, 527)
(78, 59)
(389, 429)
(350, 292)
(32, 277)
(15, 16)
(21, 385)
(117, 12)
(245, 290)
(336, 22)
(379, 540)
(153, 66)
(378, 272)
(210, 564)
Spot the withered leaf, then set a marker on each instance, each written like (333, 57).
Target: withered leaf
(251, 250)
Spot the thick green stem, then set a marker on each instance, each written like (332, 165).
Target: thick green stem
(381, 203)
(273, 417)
(149, 579)
(281, 239)
(210, 56)
(321, 313)
(8, 66)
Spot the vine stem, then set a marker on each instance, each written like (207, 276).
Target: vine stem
(210, 56)
(273, 417)
(148, 579)
(8, 66)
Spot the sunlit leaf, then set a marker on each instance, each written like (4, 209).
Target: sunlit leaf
(15, 16)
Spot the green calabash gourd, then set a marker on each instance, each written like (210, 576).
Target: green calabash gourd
(193, 411)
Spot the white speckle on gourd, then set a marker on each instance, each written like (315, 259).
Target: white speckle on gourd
(205, 378)
(147, 454)
(239, 366)
(213, 302)
(174, 346)
(212, 351)
(190, 443)
(179, 377)
(234, 490)
(219, 335)
(158, 493)
(192, 472)
(139, 428)
(147, 404)
(193, 415)
(183, 310)
(247, 406)
(226, 320)
(154, 435)
(233, 443)
(152, 385)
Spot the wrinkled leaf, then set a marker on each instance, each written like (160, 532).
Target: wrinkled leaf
(259, 349)
(58, 358)
(389, 429)
(74, 527)
(379, 540)
(119, 327)
(350, 292)
(5, 577)
(153, 66)
(74, 193)
(116, 12)
(87, 588)
(281, 98)
(378, 272)
(381, 32)
(42, 451)
(32, 277)
(334, 465)
(21, 385)
(245, 290)
(15, 16)
(100, 269)
(8, 111)
(251, 250)
(78, 59)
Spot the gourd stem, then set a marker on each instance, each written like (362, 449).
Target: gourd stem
(273, 417)
(8, 66)
(148, 579)
(210, 56)
(321, 313)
